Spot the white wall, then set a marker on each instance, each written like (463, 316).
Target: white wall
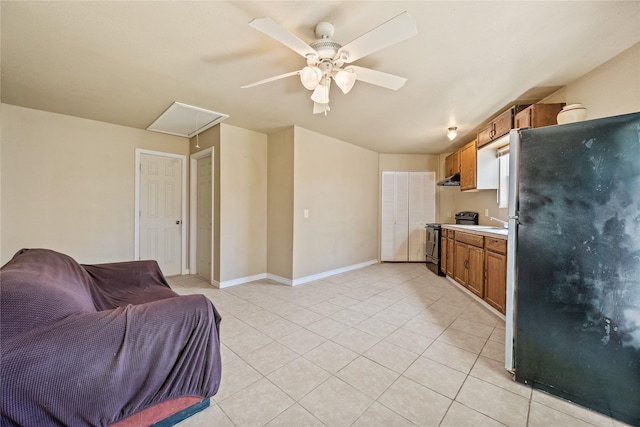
(68, 183)
(409, 162)
(243, 203)
(611, 89)
(280, 204)
(337, 183)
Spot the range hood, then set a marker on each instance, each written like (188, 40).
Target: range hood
(450, 181)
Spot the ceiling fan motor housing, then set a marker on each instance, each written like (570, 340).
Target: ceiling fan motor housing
(326, 48)
(324, 30)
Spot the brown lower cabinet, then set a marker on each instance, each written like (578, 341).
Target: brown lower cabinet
(496, 273)
(444, 245)
(478, 263)
(447, 252)
(450, 253)
(468, 269)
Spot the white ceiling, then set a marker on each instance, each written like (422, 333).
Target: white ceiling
(126, 62)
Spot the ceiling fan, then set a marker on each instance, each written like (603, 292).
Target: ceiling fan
(328, 60)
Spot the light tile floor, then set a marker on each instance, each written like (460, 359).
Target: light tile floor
(386, 345)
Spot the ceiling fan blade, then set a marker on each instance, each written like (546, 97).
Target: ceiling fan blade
(391, 32)
(276, 32)
(270, 79)
(378, 78)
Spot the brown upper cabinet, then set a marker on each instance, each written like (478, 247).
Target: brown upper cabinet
(538, 115)
(478, 168)
(468, 166)
(452, 164)
(499, 126)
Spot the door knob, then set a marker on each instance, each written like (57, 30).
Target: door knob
(178, 222)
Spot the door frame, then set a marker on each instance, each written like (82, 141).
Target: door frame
(193, 209)
(183, 205)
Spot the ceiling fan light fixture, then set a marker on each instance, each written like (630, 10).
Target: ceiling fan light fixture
(321, 108)
(452, 132)
(321, 93)
(310, 77)
(345, 80)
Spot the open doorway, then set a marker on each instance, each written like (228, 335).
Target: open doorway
(201, 206)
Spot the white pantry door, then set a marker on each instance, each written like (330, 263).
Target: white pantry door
(161, 211)
(408, 204)
(395, 216)
(422, 211)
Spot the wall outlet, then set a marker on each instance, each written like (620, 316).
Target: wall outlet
(486, 212)
(306, 213)
(448, 214)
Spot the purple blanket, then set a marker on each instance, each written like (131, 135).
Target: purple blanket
(93, 344)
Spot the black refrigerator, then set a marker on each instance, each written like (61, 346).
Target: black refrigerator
(573, 277)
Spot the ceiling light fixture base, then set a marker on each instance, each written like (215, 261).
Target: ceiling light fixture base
(452, 132)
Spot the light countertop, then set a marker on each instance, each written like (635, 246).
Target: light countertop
(482, 230)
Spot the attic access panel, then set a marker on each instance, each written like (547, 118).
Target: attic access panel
(186, 120)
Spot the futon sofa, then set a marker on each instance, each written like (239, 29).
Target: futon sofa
(92, 345)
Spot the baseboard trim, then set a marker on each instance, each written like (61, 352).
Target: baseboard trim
(322, 275)
(289, 282)
(241, 280)
(280, 279)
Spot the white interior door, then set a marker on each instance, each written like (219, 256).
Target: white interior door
(160, 204)
(388, 216)
(395, 221)
(204, 218)
(401, 227)
(408, 204)
(422, 188)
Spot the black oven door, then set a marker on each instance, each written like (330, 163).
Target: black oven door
(432, 248)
